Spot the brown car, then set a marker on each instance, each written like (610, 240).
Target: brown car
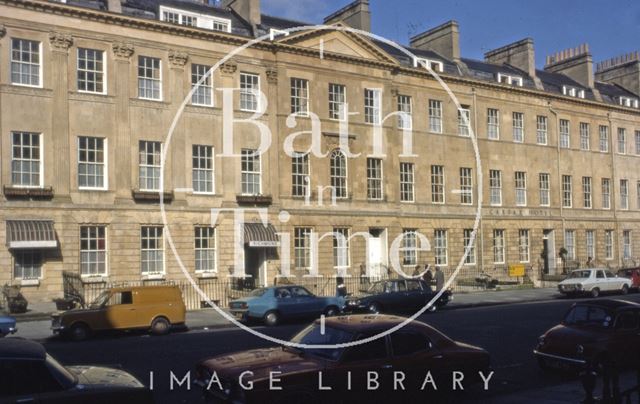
(29, 375)
(141, 307)
(592, 334)
(286, 374)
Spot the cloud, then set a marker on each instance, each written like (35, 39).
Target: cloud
(312, 11)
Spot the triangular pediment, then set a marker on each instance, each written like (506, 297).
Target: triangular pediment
(339, 42)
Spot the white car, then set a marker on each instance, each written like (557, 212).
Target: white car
(593, 281)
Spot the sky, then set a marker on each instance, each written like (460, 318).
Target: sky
(610, 28)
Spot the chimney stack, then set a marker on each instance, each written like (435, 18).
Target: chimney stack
(249, 10)
(356, 15)
(622, 70)
(575, 63)
(519, 54)
(443, 39)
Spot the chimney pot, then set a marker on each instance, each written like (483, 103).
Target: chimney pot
(443, 39)
(355, 14)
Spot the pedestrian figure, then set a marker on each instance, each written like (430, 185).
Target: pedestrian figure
(439, 279)
(341, 288)
(427, 276)
(589, 263)
(416, 271)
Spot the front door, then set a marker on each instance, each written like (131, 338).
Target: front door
(377, 250)
(550, 250)
(253, 261)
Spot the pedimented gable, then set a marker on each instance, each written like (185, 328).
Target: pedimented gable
(340, 42)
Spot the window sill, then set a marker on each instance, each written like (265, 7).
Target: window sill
(27, 192)
(254, 200)
(87, 189)
(206, 275)
(153, 277)
(94, 278)
(29, 282)
(151, 196)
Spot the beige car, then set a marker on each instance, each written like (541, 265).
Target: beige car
(157, 308)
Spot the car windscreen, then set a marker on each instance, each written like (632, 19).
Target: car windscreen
(258, 292)
(62, 375)
(585, 315)
(376, 288)
(313, 335)
(101, 299)
(579, 274)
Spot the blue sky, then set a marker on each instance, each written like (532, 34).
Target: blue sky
(610, 28)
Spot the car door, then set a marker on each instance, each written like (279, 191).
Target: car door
(285, 303)
(414, 354)
(601, 280)
(121, 312)
(624, 343)
(416, 297)
(306, 303)
(393, 298)
(615, 282)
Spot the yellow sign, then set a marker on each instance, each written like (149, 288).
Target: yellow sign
(516, 270)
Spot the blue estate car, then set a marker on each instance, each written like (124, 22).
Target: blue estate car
(276, 303)
(7, 324)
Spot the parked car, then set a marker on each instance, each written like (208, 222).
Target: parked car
(277, 303)
(591, 334)
(157, 308)
(28, 374)
(414, 350)
(7, 324)
(396, 295)
(633, 274)
(593, 281)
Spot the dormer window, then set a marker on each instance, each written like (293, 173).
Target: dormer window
(629, 102)
(572, 91)
(190, 19)
(510, 80)
(435, 65)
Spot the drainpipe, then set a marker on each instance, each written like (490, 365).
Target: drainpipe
(559, 182)
(612, 194)
(480, 235)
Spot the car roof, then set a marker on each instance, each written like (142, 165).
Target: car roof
(614, 304)
(18, 348)
(368, 322)
(142, 287)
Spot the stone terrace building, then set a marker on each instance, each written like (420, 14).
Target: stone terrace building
(89, 89)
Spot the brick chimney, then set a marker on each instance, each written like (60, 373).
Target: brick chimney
(443, 39)
(115, 6)
(519, 54)
(573, 62)
(356, 15)
(249, 10)
(623, 70)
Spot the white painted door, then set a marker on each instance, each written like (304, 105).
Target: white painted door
(375, 255)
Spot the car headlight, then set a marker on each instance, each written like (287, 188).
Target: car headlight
(580, 349)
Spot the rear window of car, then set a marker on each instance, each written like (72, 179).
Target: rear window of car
(407, 343)
(585, 315)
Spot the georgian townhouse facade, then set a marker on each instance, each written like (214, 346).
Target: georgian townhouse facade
(89, 90)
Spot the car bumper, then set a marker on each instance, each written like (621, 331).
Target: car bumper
(240, 315)
(560, 361)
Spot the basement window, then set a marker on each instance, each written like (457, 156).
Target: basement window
(510, 80)
(629, 102)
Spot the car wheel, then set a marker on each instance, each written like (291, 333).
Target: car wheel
(625, 289)
(160, 326)
(79, 332)
(595, 292)
(375, 307)
(331, 311)
(433, 308)
(272, 318)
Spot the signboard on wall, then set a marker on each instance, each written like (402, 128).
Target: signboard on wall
(516, 270)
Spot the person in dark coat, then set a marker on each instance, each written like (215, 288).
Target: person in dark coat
(439, 279)
(427, 276)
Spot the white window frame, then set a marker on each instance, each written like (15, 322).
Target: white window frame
(495, 187)
(608, 244)
(570, 243)
(637, 139)
(628, 102)
(498, 246)
(622, 141)
(624, 194)
(627, 245)
(542, 130)
(509, 79)
(94, 237)
(302, 247)
(143, 81)
(203, 90)
(435, 116)
(466, 186)
(300, 175)
(518, 127)
(144, 151)
(339, 174)
(565, 134)
(199, 236)
(299, 97)
(407, 181)
(441, 250)
(435, 65)
(341, 252)
(567, 191)
(437, 184)
(375, 179)
(524, 255)
(149, 237)
(470, 259)
(409, 247)
(208, 158)
(606, 193)
(249, 86)
(40, 160)
(585, 135)
(201, 20)
(603, 130)
(37, 258)
(587, 201)
(520, 178)
(248, 176)
(337, 102)
(405, 112)
(102, 72)
(464, 128)
(545, 189)
(372, 106)
(19, 62)
(493, 123)
(104, 164)
(590, 237)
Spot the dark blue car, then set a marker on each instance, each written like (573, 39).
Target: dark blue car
(276, 303)
(7, 324)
